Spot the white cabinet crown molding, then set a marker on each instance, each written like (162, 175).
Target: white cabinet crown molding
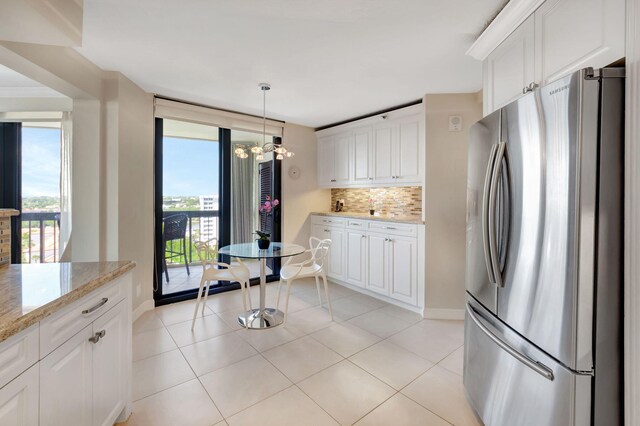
(370, 121)
(510, 17)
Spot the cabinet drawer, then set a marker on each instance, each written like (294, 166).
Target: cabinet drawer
(62, 325)
(328, 221)
(5, 248)
(392, 228)
(5, 224)
(357, 224)
(18, 353)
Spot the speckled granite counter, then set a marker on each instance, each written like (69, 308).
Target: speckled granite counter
(29, 293)
(367, 216)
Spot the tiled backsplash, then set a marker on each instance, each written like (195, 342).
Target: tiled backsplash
(398, 201)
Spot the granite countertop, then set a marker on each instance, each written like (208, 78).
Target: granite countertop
(8, 212)
(366, 216)
(29, 293)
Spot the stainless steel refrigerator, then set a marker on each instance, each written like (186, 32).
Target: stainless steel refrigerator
(543, 325)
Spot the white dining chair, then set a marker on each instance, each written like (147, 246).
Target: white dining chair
(312, 267)
(212, 270)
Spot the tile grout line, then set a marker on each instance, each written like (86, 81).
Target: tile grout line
(305, 334)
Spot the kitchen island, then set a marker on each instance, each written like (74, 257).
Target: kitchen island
(65, 343)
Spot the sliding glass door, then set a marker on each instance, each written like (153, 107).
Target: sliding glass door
(204, 194)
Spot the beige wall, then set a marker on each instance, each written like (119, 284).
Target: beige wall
(112, 158)
(301, 196)
(135, 191)
(445, 199)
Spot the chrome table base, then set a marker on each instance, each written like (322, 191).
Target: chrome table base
(257, 320)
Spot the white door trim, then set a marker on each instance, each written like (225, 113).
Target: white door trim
(632, 218)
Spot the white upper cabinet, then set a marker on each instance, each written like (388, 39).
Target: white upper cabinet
(362, 156)
(382, 150)
(509, 68)
(560, 37)
(341, 159)
(574, 34)
(408, 153)
(325, 161)
(383, 146)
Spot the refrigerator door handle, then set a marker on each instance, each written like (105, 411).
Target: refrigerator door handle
(493, 190)
(485, 213)
(536, 366)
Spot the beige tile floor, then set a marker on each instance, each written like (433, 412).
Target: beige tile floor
(376, 364)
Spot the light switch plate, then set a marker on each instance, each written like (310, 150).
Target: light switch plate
(455, 123)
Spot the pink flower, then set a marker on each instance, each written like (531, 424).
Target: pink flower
(268, 198)
(276, 202)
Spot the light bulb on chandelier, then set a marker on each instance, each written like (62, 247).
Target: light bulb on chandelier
(278, 149)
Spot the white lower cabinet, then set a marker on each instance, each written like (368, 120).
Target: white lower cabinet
(356, 258)
(403, 270)
(335, 263)
(19, 399)
(336, 267)
(83, 381)
(110, 365)
(66, 382)
(377, 256)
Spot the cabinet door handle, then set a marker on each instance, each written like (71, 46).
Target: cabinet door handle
(326, 230)
(333, 180)
(370, 178)
(389, 227)
(99, 305)
(363, 236)
(96, 337)
(530, 88)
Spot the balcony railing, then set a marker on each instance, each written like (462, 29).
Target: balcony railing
(202, 226)
(40, 237)
(41, 234)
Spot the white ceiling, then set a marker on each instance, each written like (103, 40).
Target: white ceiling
(327, 60)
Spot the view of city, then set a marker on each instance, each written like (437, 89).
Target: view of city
(40, 211)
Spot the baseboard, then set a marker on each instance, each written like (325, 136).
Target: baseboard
(145, 306)
(444, 314)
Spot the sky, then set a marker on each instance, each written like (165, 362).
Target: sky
(40, 162)
(190, 167)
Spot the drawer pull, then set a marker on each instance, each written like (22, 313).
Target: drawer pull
(326, 230)
(96, 337)
(390, 227)
(96, 307)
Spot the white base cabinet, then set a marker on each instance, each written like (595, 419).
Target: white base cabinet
(67, 384)
(379, 258)
(19, 399)
(83, 380)
(356, 258)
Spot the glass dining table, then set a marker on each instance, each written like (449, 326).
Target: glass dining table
(262, 317)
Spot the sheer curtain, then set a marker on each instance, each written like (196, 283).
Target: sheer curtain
(65, 188)
(243, 200)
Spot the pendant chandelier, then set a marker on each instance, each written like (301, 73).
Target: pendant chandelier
(278, 149)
